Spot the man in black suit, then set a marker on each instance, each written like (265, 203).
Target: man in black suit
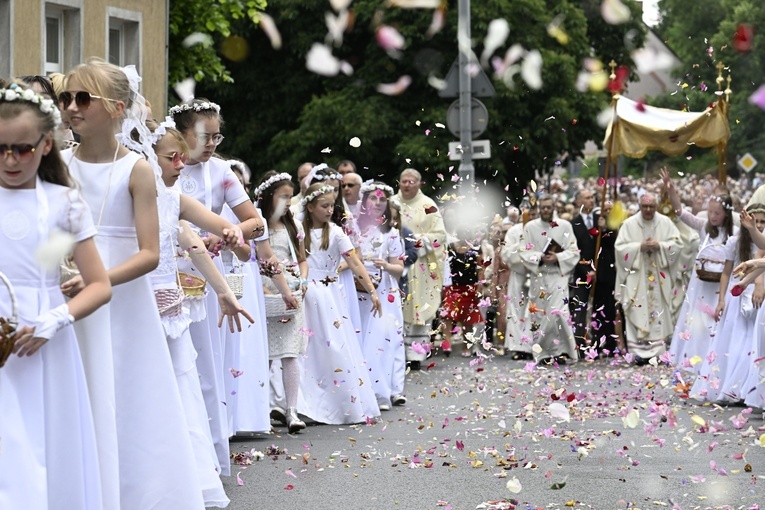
(585, 226)
(602, 326)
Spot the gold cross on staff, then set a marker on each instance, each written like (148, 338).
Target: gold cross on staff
(612, 65)
(720, 80)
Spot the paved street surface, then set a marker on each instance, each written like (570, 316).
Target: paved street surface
(591, 435)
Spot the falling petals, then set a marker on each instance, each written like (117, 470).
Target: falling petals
(514, 485)
(496, 36)
(388, 38)
(758, 98)
(743, 38)
(321, 61)
(269, 27)
(59, 246)
(614, 12)
(394, 89)
(559, 411)
(531, 70)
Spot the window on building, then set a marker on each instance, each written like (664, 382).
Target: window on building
(6, 39)
(123, 40)
(62, 36)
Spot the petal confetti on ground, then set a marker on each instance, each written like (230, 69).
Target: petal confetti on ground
(478, 436)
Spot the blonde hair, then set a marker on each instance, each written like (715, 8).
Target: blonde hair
(308, 223)
(102, 79)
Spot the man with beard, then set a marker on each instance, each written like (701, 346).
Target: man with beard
(550, 255)
(646, 249)
(425, 278)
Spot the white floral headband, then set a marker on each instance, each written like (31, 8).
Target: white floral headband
(271, 181)
(372, 186)
(161, 131)
(313, 196)
(47, 106)
(330, 176)
(195, 107)
(720, 201)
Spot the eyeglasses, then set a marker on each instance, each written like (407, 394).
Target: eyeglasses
(203, 138)
(349, 185)
(176, 157)
(81, 98)
(21, 152)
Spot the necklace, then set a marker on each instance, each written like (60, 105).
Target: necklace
(188, 185)
(108, 182)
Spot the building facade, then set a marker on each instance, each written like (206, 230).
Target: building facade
(42, 37)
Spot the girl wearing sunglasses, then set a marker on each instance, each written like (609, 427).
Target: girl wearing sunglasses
(49, 459)
(129, 370)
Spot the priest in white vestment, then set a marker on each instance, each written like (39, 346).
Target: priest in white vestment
(421, 215)
(550, 255)
(647, 250)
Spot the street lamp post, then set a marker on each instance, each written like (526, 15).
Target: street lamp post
(466, 168)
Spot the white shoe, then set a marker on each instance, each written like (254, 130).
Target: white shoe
(278, 414)
(294, 424)
(398, 400)
(383, 405)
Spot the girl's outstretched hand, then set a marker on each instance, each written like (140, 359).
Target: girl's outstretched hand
(230, 307)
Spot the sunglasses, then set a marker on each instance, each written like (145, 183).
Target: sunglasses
(81, 98)
(21, 152)
(177, 158)
(216, 139)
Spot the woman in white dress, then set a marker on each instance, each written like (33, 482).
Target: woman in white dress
(140, 421)
(49, 458)
(728, 363)
(211, 181)
(335, 388)
(176, 236)
(286, 338)
(381, 249)
(696, 323)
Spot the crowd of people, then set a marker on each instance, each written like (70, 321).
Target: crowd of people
(164, 301)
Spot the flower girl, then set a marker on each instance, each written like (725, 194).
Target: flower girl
(286, 339)
(49, 458)
(381, 250)
(335, 388)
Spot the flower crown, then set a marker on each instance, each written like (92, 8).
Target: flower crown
(330, 176)
(17, 93)
(313, 196)
(720, 201)
(372, 186)
(270, 182)
(162, 130)
(195, 107)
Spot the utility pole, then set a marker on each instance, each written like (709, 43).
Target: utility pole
(466, 168)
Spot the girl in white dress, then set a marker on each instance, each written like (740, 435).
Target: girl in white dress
(286, 340)
(211, 181)
(140, 421)
(177, 236)
(696, 323)
(335, 388)
(49, 458)
(382, 248)
(727, 365)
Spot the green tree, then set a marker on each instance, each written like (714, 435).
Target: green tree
(701, 34)
(212, 19)
(279, 114)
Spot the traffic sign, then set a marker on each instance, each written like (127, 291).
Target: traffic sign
(747, 162)
(480, 83)
(479, 117)
(481, 150)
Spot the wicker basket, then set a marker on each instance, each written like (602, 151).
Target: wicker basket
(192, 285)
(169, 302)
(235, 279)
(8, 326)
(707, 276)
(276, 307)
(68, 270)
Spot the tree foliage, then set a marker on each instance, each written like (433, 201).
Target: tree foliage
(701, 33)
(279, 114)
(213, 19)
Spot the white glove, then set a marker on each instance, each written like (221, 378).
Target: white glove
(53, 321)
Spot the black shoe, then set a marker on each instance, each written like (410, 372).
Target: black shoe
(546, 361)
(518, 356)
(560, 360)
(414, 364)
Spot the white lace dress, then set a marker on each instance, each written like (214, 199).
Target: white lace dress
(176, 323)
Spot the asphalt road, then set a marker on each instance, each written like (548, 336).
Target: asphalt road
(474, 434)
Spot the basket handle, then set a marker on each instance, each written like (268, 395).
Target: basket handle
(14, 303)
